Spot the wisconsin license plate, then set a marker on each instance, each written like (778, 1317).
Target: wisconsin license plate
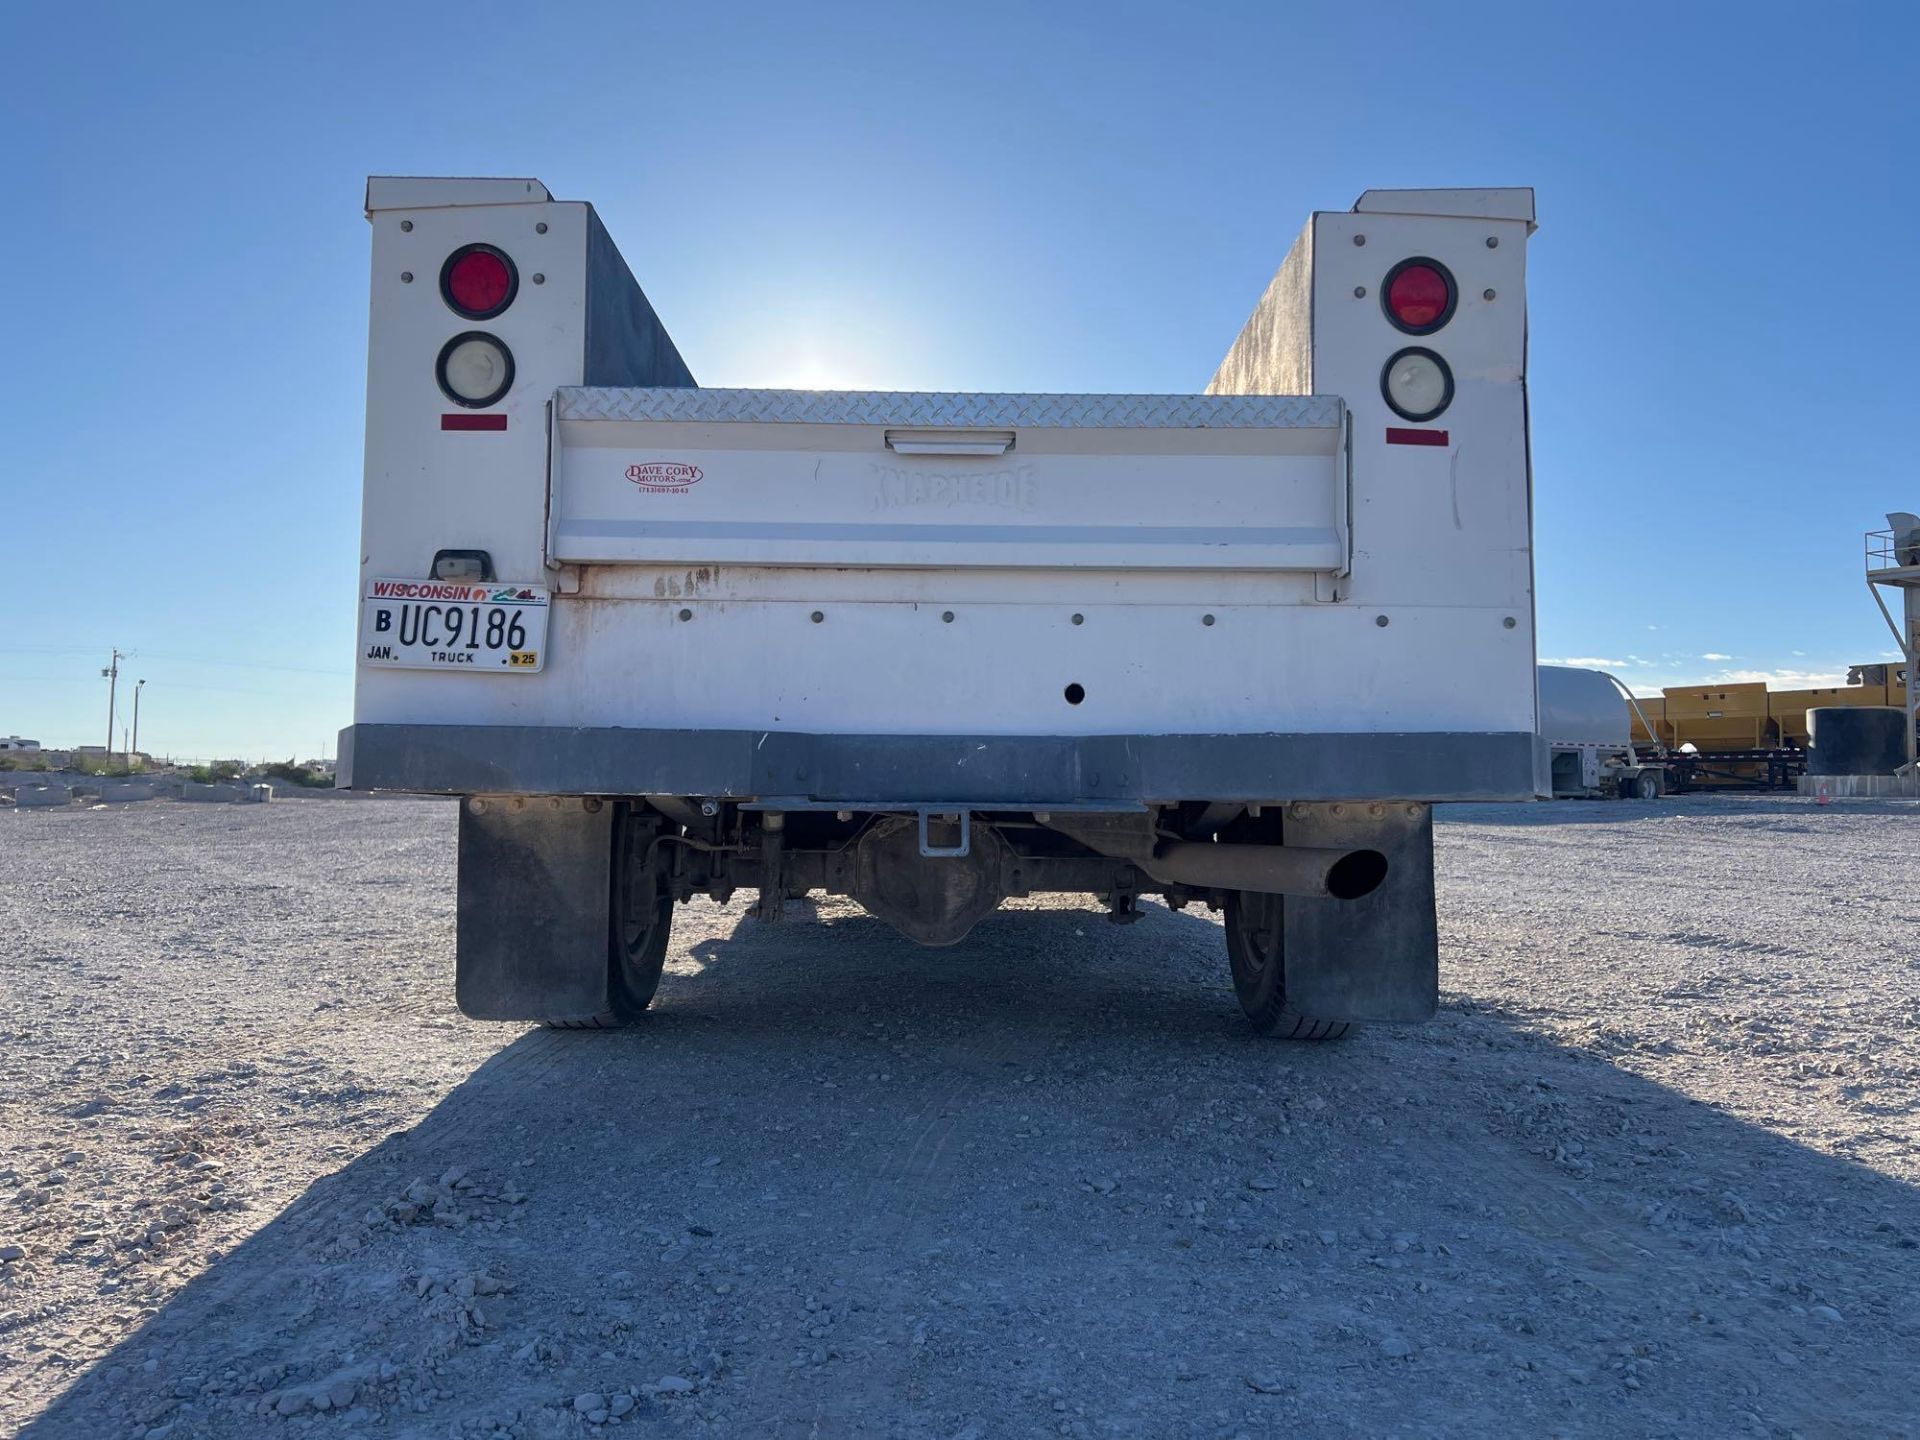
(448, 625)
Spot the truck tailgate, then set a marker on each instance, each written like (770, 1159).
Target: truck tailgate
(878, 479)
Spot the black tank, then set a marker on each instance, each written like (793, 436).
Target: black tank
(1855, 740)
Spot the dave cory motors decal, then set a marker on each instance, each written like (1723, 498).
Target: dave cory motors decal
(672, 477)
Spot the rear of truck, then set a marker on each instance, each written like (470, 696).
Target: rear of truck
(936, 650)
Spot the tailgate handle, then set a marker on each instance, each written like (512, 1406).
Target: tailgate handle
(949, 442)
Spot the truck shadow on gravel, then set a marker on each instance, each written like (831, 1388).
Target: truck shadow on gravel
(1043, 1183)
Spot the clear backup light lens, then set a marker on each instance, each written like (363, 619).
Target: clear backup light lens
(1418, 295)
(475, 370)
(1417, 384)
(478, 281)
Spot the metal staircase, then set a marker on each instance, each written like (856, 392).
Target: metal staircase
(1893, 561)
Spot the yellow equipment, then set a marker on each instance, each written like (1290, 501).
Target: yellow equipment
(1747, 716)
(1866, 685)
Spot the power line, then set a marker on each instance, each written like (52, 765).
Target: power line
(176, 659)
(243, 664)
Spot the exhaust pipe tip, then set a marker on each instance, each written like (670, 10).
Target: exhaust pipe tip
(1308, 870)
(1357, 873)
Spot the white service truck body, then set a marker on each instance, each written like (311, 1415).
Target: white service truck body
(1045, 638)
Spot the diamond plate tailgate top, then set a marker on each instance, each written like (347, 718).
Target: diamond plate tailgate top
(866, 478)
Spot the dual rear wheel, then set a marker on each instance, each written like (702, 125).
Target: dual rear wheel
(1256, 940)
(640, 924)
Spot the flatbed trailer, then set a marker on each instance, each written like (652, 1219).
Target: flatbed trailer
(1759, 769)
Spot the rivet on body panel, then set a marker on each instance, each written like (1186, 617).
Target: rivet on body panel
(1382, 621)
(477, 805)
(686, 614)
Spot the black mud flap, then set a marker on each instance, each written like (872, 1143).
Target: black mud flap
(535, 896)
(1376, 958)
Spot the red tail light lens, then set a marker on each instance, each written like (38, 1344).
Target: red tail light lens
(478, 281)
(1418, 296)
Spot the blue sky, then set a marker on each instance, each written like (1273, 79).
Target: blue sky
(1060, 197)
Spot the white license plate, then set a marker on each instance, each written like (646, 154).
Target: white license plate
(451, 625)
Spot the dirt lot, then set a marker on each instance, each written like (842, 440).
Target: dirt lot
(1655, 1170)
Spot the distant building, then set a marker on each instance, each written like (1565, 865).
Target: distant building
(17, 742)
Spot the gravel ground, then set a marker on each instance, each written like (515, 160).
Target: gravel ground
(1651, 1172)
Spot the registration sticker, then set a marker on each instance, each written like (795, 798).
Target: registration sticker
(451, 625)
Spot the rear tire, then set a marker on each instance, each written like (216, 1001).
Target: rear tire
(1646, 785)
(1254, 951)
(640, 926)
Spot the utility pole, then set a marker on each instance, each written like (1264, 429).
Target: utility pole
(133, 748)
(112, 676)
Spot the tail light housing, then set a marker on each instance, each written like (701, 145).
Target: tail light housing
(479, 282)
(474, 369)
(1418, 295)
(1417, 384)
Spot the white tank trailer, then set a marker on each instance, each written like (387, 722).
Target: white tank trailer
(1586, 735)
(935, 650)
